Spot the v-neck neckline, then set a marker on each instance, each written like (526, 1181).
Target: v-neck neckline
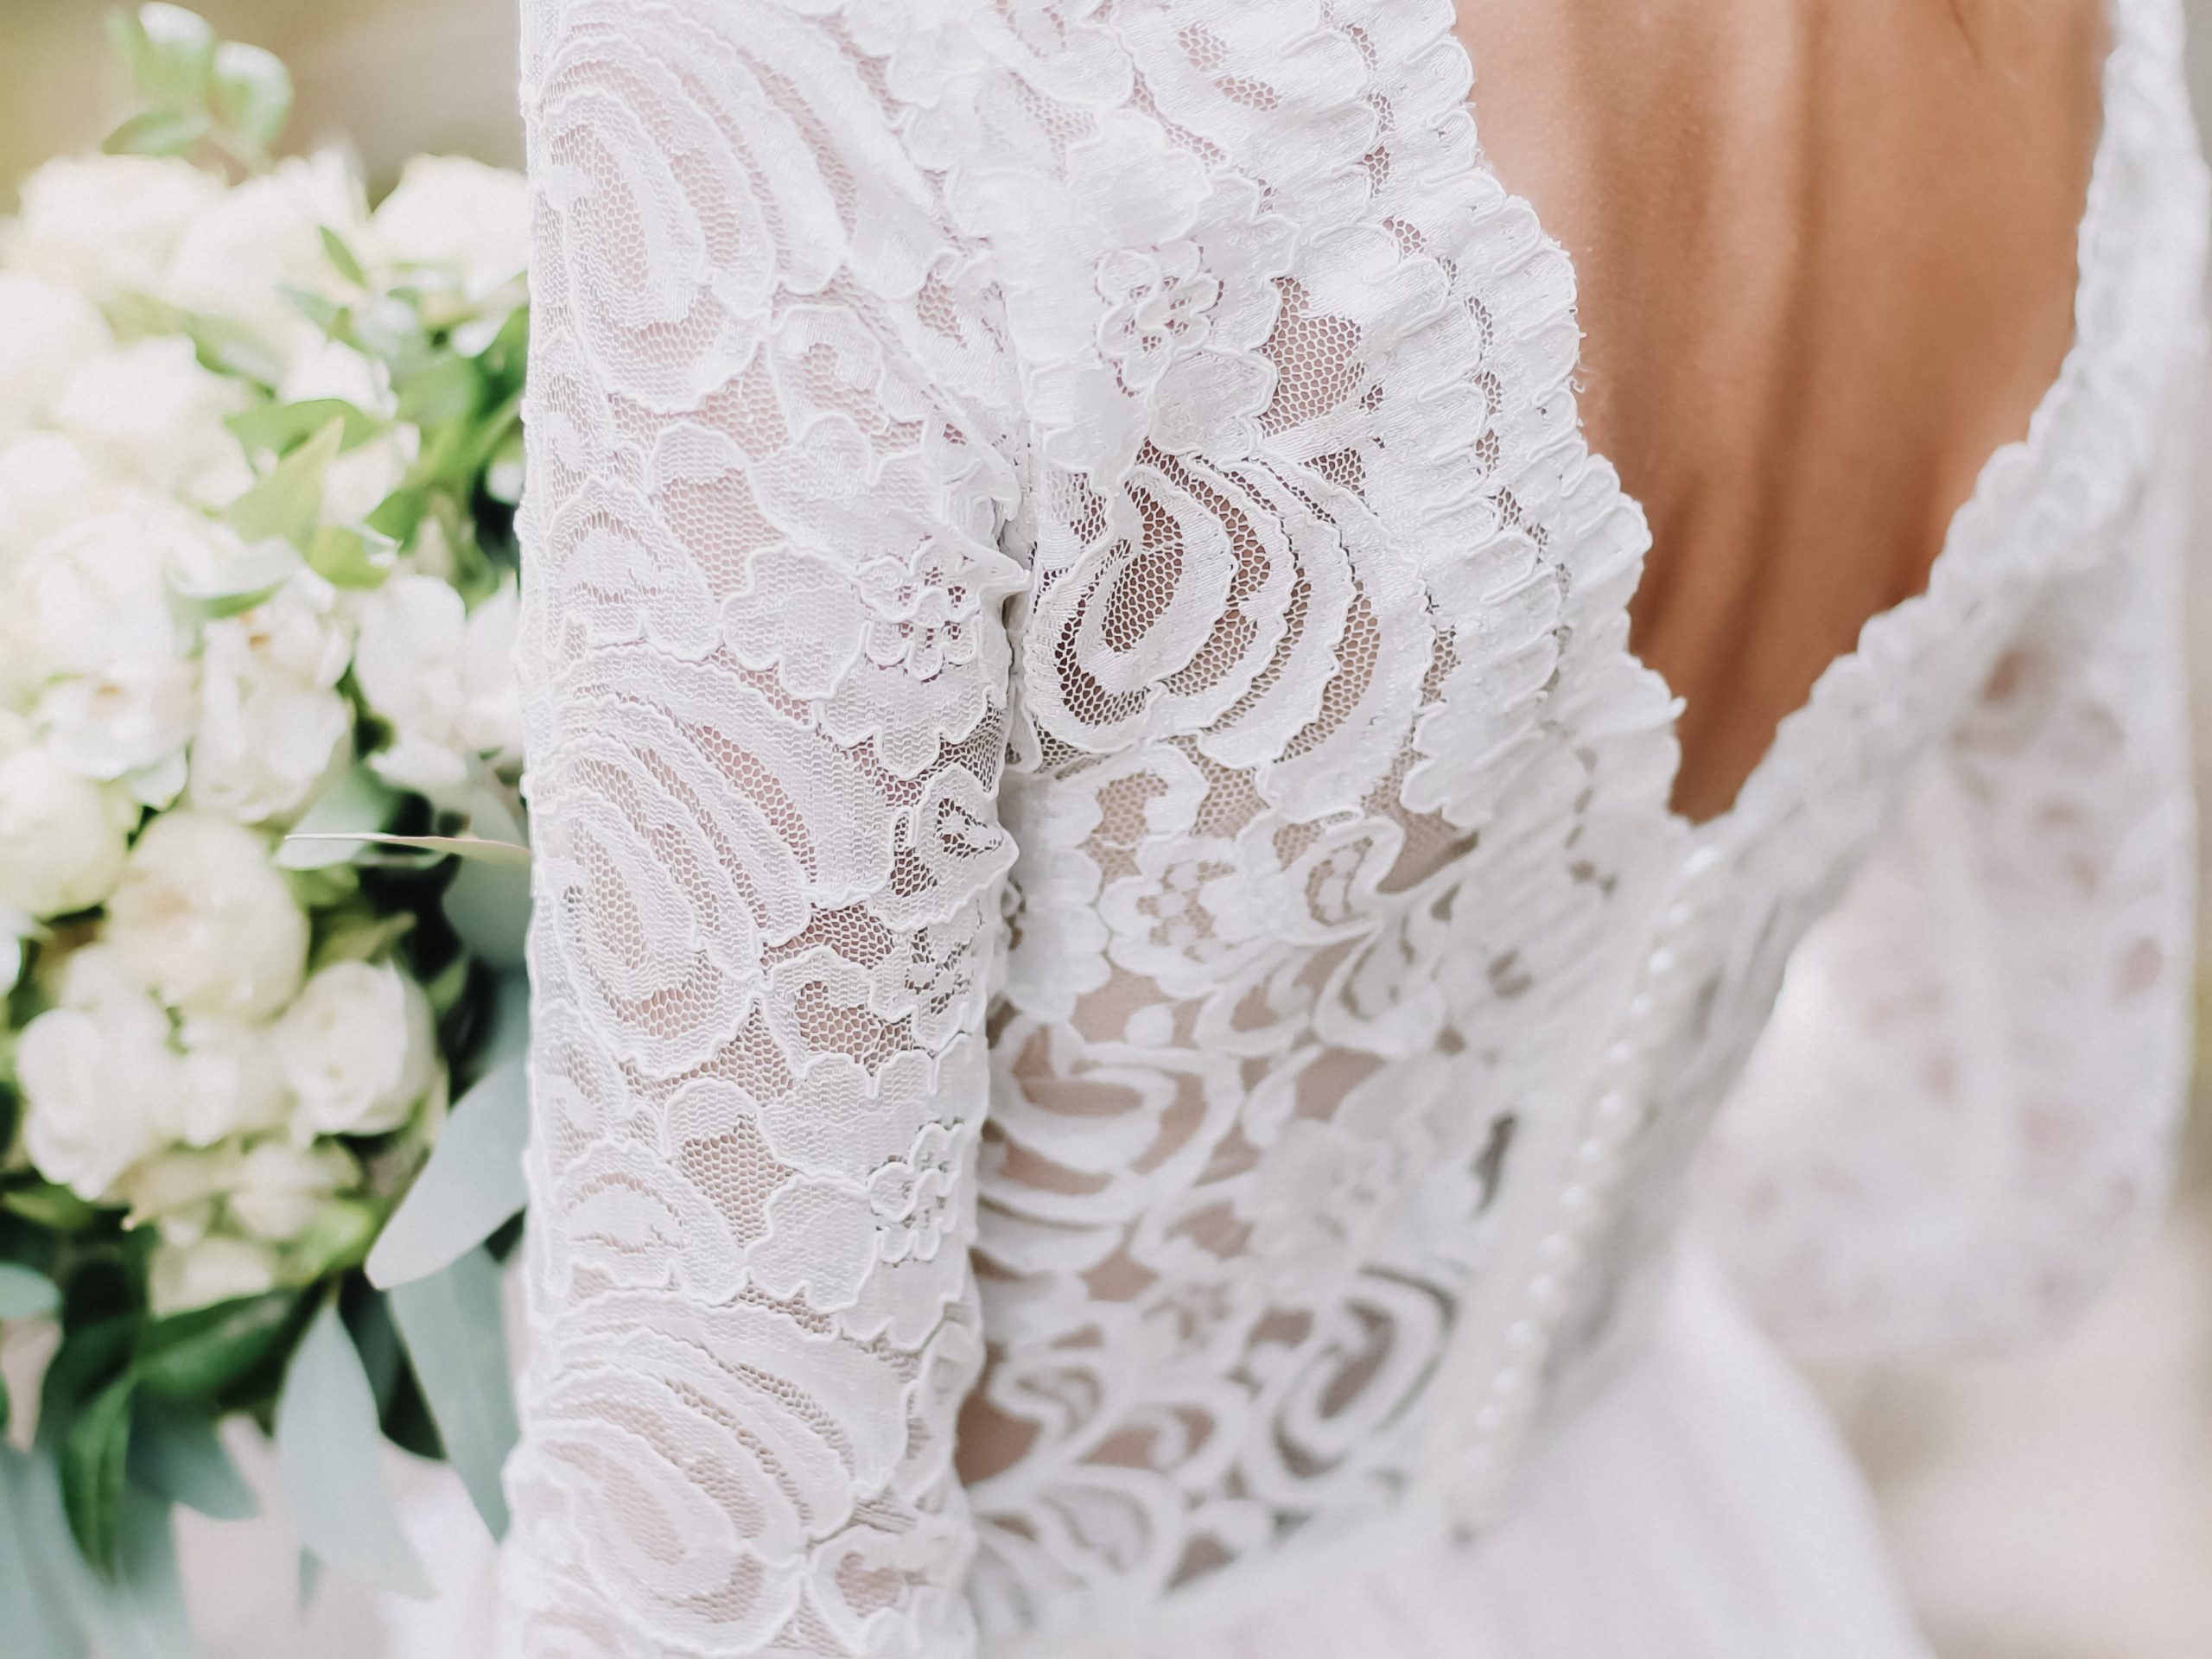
(2008, 474)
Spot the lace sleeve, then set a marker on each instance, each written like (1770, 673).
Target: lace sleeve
(766, 676)
(1964, 1106)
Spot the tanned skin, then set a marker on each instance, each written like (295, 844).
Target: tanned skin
(1825, 253)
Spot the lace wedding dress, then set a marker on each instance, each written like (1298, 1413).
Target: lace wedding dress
(1107, 893)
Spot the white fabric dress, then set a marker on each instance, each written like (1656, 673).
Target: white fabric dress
(1104, 866)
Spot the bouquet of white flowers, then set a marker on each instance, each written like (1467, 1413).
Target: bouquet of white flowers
(259, 448)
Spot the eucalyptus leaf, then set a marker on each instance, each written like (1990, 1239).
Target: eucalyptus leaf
(489, 906)
(454, 1329)
(170, 53)
(472, 1185)
(358, 801)
(38, 1622)
(187, 1356)
(175, 1453)
(287, 502)
(25, 1295)
(139, 1612)
(159, 132)
(252, 94)
(328, 1452)
(94, 1448)
(494, 852)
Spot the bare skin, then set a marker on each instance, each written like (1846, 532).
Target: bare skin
(1826, 251)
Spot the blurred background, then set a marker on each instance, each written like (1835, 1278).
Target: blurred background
(2054, 1505)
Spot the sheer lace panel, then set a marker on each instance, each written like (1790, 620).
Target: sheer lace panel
(1063, 574)
(768, 677)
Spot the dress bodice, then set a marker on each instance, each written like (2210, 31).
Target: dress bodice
(1103, 856)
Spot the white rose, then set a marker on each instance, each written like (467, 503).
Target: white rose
(107, 224)
(62, 837)
(46, 333)
(204, 917)
(86, 626)
(179, 1191)
(218, 1268)
(282, 1186)
(152, 413)
(460, 216)
(99, 1077)
(358, 1049)
(46, 484)
(273, 728)
(443, 677)
(235, 259)
(332, 369)
(231, 1081)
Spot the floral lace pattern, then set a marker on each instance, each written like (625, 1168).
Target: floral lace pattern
(1105, 889)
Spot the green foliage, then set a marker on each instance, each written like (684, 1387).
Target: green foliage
(196, 89)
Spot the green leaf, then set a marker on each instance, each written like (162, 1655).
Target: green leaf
(277, 428)
(494, 852)
(287, 503)
(342, 259)
(351, 558)
(252, 94)
(400, 514)
(25, 1295)
(175, 1453)
(328, 1450)
(50, 1205)
(472, 1185)
(232, 349)
(446, 389)
(90, 1356)
(170, 53)
(454, 1329)
(189, 1356)
(159, 132)
(338, 1238)
(93, 1452)
(358, 801)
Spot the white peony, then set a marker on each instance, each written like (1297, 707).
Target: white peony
(107, 224)
(204, 917)
(274, 729)
(444, 677)
(232, 1082)
(217, 1268)
(458, 216)
(62, 837)
(47, 333)
(359, 1049)
(99, 1077)
(153, 413)
(47, 483)
(236, 258)
(282, 1186)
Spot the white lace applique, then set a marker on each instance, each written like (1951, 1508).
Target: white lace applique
(1101, 855)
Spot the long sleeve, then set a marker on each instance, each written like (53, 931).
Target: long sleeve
(766, 674)
(1963, 1109)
